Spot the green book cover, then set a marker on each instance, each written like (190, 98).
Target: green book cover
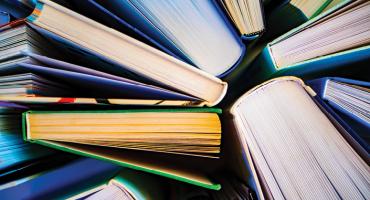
(149, 163)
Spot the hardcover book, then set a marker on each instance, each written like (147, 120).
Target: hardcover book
(80, 174)
(348, 101)
(119, 54)
(327, 42)
(291, 147)
(148, 140)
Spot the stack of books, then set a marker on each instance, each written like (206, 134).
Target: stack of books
(200, 99)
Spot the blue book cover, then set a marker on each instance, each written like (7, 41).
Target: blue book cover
(4, 18)
(76, 176)
(16, 8)
(358, 129)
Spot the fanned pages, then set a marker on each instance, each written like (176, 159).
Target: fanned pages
(345, 29)
(28, 77)
(247, 15)
(112, 191)
(297, 151)
(197, 134)
(349, 97)
(125, 52)
(196, 31)
(62, 180)
(166, 142)
(128, 185)
(348, 101)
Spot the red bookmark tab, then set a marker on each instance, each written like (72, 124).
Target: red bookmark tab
(67, 100)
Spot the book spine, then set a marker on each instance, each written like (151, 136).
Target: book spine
(24, 126)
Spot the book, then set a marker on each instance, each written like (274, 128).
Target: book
(157, 66)
(95, 11)
(283, 16)
(247, 16)
(329, 41)
(15, 153)
(147, 140)
(352, 36)
(27, 84)
(164, 24)
(280, 17)
(22, 60)
(293, 148)
(348, 100)
(62, 181)
(128, 184)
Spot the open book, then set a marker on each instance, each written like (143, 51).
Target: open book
(122, 53)
(333, 39)
(167, 142)
(128, 185)
(296, 150)
(195, 31)
(247, 15)
(349, 102)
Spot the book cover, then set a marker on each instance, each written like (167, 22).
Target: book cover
(149, 162)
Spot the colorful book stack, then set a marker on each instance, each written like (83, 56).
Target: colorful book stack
(184, 99)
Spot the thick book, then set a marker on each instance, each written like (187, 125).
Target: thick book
(77, 175)
(164, 24)
(123, 53)
(28, 77)
(246, 15)
(16, 155)
(284, 15)
(153, 141)
(128, 184)
(327, 42)
(348, 101)
(290, 147)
